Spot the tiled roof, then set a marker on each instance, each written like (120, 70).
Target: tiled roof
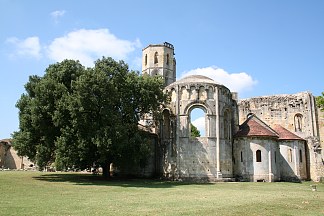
(255, 127)
(285, 134)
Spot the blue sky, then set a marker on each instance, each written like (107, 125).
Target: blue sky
(253, 47)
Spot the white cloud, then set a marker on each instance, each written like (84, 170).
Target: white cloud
(200, 125)
(89, 45)
(236, 82)
(29, 47)
(57, 14)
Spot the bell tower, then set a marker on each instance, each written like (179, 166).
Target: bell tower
(158, 59)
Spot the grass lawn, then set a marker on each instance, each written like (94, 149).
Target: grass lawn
(37, 193)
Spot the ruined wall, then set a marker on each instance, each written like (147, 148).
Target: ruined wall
(295, 112)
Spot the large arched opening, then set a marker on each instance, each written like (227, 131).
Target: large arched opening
(198, 122)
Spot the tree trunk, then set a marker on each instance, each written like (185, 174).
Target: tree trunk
(106, 170)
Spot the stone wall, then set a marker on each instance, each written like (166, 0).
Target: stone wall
(292, 160)
(320, 150)
(198, 158)
(246, 165)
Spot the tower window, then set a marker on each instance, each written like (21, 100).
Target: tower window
(258, 156)
(156, 58)
(167, 60)
(146, 59)
(241, 156)
(300, 156)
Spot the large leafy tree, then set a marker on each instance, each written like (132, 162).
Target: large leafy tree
(89, 116)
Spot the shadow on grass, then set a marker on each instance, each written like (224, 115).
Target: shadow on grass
(89, 179)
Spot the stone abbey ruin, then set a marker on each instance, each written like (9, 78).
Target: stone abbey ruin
(266, 138)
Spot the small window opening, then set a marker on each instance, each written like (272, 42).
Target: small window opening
(300, 156)
(146, 59)
(298, 122)
(289, 155)
(241, 156)
(258, 156)
(155, 58)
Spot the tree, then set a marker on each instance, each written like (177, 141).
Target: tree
(38, 114)
(94, 116)
(320, 101)
(194, 131)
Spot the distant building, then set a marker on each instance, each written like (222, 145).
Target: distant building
(9, 158)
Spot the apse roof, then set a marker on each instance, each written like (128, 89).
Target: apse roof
(253, 126)
(285, 134)
(196, 79)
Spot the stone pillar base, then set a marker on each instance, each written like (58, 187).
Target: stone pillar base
(219, 175)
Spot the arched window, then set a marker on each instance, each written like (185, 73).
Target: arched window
(167, 60)
(298, 121)
(145, 59)
(198, 119)
(289, 155)
(184, 93)
(258, 156)
(156, 58)
(300, 156)
(202, 94)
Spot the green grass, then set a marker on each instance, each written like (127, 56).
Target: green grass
(36, 193)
